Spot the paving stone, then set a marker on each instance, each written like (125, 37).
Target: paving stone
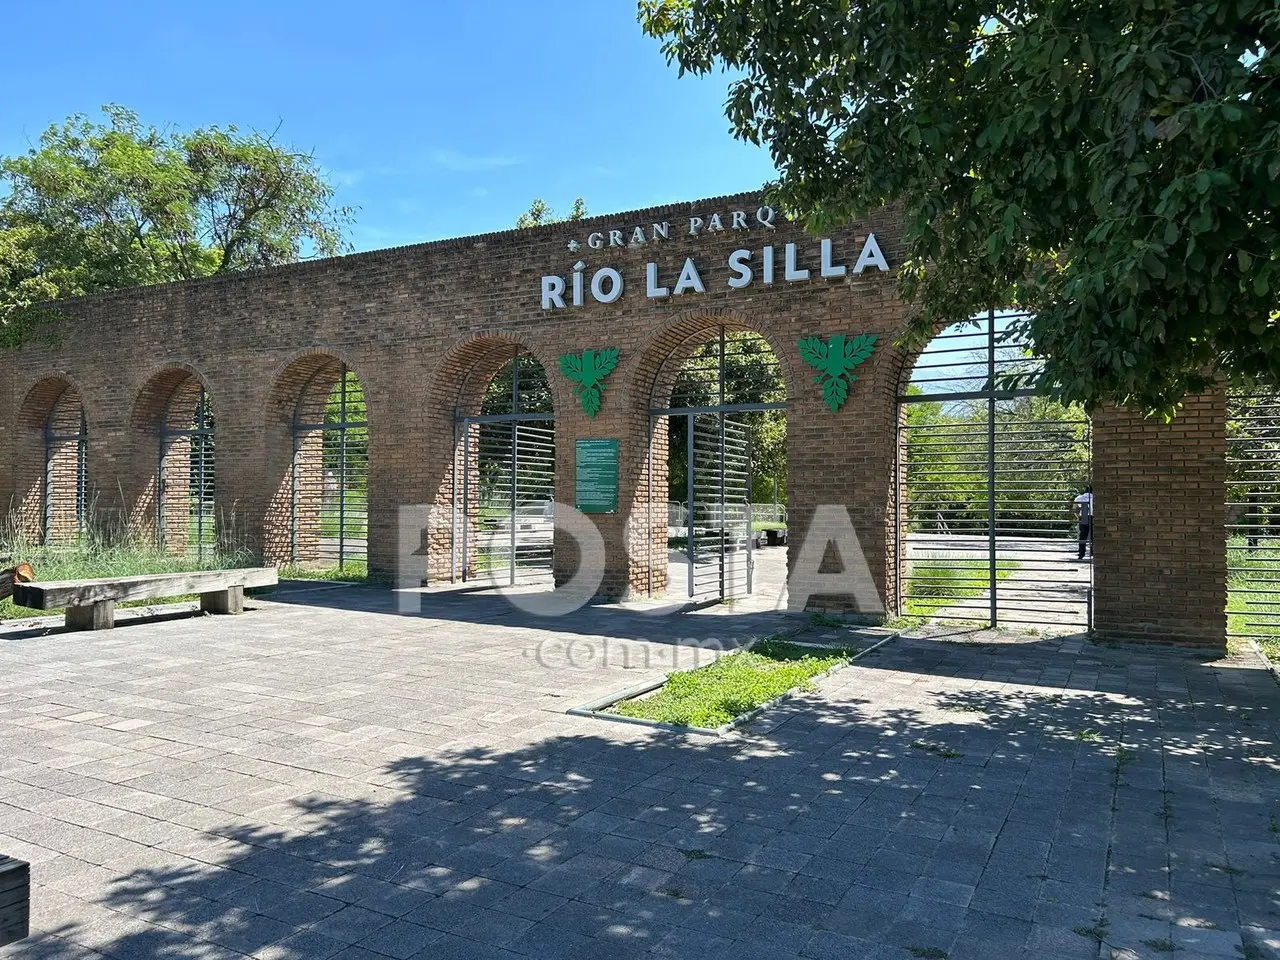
(318, 765)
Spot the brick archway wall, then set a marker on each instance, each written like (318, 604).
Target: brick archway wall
(167, 399)
(457, 390)
(53, 401)
(652, 377)
(299, 393)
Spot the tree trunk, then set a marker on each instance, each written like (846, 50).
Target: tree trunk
(22, 573)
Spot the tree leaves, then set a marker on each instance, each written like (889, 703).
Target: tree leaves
(98, 206)
(1098, 165)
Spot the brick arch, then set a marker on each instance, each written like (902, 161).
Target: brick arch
(49, 481)
(652, 375)
(461, 379)
(457, 389)
(656, 364)
(295, 476)
(153, 405)
(167, 398)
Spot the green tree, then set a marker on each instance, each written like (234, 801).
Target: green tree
(540, 214)
(1112, 166)
(102, 205)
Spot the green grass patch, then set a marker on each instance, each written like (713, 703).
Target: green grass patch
(936, 584)
(93, 561)
(353, 571)
(735, 684)
(1254, 576)
(355, 517)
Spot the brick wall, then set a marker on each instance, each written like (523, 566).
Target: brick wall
(425, 327)
(1159, 542)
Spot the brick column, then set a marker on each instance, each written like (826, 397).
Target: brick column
(1160, 568)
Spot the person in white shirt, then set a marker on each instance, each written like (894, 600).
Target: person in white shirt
(1083, 507)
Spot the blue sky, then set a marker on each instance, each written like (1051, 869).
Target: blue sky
(435, 119)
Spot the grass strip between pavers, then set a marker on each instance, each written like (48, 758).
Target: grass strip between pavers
(737, 683)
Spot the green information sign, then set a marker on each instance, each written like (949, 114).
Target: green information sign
(597, 476)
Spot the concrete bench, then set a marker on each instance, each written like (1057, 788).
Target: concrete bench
(91, 604)
(15, 900)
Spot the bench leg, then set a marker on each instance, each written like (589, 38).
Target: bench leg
(96, 616)
(230, 600)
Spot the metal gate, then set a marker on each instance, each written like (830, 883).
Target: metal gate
(66, 436)
(186, 477)
(1253, 517)
(710, 535)
(330, 474)
(504, 481)
(989, 471)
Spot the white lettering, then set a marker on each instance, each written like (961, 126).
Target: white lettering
(662, 230)
(552, 293)
(615, 239)
(689, 279)
(637, 235)
(695, 224)
(577, 282)
(831, 526)
(716, 223)
(871, 256)
(595, 241)
(615, 285)
(765, 216)
(651, 288)
(828, 268)
(766, 271)
(738, 221)
(741, 271)
(789, 270)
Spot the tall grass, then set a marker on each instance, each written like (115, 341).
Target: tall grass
(105, 551)
(934, 585)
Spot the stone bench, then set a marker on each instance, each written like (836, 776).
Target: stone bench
(15, 900)
(91, 604)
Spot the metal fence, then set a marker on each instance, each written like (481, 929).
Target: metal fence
(186, 520)
(66, 439)
(330, 473)
(989, 472)
(1253, 516)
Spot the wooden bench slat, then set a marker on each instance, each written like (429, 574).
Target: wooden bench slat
(15, 900)
(80, 593)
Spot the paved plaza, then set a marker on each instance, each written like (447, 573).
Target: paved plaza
(326, 777)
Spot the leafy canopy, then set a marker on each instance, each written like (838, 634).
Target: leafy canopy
(102, 205)
(540, 214)
(1112, 166)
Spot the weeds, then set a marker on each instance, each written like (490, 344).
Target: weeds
(938, 749)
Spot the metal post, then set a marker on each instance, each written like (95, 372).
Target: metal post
(342, 470)
(82, 482)
(898, 518)
(688, 519)
(751, 526)
(198, 445)
(724, 519)
(294, 491)
(991, 463)
(47, 498)
(453, 506)
(466, 500)
(515, 465)
(649, 501)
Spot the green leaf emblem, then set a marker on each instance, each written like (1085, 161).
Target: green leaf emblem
(834, 361)
(587, 371)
